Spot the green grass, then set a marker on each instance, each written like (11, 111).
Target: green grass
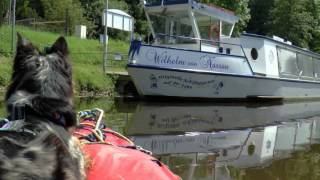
(5, 70)
(2, 109)
(86, 57)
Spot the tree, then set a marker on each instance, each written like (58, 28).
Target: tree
(136, 10)
(93, 13)
(58, 10)
(25, 10)
(259, 12)
(4, 7)
(292, 20)
(313, 7)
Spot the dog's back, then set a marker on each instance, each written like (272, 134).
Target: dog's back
(41, 155)
(35, 143)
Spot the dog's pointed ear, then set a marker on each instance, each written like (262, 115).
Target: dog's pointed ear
(24, 47)
(60, 46)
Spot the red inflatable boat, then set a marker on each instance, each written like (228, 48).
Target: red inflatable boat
(113, 156)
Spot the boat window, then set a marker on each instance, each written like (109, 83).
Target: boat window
(226, 29)
(288, 66)
(317, 68)
(153, 2)
(209, 27)
(158, 23)
(172, 28)
(165, 2)
(168, 2)
(254, 53)
(305, 64)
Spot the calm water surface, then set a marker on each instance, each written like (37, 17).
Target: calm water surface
(222, 141)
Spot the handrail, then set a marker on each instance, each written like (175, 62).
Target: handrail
(199, 39)
(247, 59)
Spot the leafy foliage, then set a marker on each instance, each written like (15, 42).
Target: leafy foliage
(93, 13)
(292, 20)
(259, 11)
(69, 10)
(136, 10)
(25, 9)
(4, 7)
(295, 20)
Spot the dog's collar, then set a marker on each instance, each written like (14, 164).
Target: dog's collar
(18, 112)
(18, 126)
(59, 119)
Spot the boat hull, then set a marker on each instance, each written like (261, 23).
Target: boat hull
(166, 82)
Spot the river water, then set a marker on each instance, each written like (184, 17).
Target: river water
(206, 141)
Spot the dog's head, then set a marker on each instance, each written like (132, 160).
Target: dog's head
(43, 82)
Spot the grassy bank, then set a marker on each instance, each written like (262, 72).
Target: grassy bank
(86, 57)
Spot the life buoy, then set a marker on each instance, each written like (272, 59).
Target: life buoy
(214, 32)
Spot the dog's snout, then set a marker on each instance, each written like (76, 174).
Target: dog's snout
(40, 61)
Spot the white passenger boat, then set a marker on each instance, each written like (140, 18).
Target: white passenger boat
(194, 56)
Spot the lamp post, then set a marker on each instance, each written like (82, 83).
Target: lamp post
(105, 43)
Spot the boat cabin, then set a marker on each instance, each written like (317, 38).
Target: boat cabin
(182, 23)
(277, 58)
(190, 25)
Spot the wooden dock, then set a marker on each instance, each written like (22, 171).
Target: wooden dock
(123, 83)
(117, 73)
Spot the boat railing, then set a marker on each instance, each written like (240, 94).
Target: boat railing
(203, 45)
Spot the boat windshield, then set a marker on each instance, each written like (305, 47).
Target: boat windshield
(212, 28)
(153, 2)
(227, 29)
(164, 2)
(168, 27)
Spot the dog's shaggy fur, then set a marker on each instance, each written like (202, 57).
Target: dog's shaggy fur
(37, 144)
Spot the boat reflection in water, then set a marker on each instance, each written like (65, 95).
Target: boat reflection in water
(164, 118)
(240, 142)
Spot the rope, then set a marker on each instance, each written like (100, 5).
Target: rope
(91, 121)
(119, 135)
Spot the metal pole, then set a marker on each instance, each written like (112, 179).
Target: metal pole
(132, 30)
(10, 13)
(13, 26)
(105, 47)
(66, 22)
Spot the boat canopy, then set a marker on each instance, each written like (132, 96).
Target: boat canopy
(188, 20)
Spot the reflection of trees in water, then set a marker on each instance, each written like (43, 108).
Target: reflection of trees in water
(191, 166)
(301, 166)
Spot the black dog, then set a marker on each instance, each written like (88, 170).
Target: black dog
(35, 143)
